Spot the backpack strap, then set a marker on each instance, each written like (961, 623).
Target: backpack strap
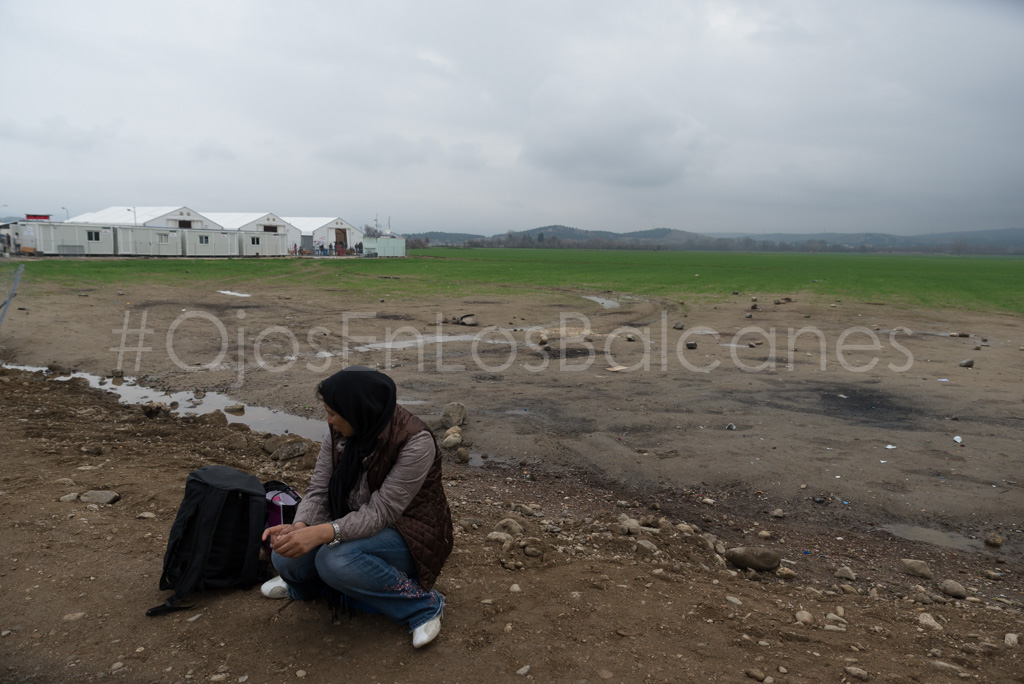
(257, 523)
(210, 509)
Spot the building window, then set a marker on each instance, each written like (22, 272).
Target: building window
(92, 235)
(184, 224)
(163, 238)
(255, 240)
(204, 239)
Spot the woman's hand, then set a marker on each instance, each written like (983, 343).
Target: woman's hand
(292, 541)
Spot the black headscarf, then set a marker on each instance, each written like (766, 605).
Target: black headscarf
(366, 399)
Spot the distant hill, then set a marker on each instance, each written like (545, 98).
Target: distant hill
(437, 237)
(1006, 237)
(1007, 240)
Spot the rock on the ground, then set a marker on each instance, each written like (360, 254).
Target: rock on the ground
(953, 588)
(926, 620)
(785, 573)
(289, 450)
(917, 568)
(856, 673)
(99, 497)
(845, 573)
(753, 557)
(277, 441)
(509, 526)
(993, 539)
(453, 414)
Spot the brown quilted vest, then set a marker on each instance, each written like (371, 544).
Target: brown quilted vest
(426, 524)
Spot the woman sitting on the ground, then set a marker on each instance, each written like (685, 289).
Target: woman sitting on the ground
(374, 525)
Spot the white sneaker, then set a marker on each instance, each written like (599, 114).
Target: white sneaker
(276, 588)
(426, 632)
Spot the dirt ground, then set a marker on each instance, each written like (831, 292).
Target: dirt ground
(790, 443)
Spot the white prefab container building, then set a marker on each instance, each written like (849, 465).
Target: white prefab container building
(327, 231)
(259, 223)
(251, 243)
(145, 241)
(38, 237)
(211, 243)
(154, 217)
(384, 246)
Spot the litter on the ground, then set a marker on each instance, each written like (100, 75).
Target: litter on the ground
(233, 294)
(883, 461)
(943, 379)
(890, 446)
(615, 369)
(842, 396)
(958, 439)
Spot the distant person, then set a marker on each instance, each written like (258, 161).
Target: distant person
(374, 528)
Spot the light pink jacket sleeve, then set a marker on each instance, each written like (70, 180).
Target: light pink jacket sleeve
(371, 512)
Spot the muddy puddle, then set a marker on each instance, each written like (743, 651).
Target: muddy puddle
(259, 419)
(605, 303)
(949, 540)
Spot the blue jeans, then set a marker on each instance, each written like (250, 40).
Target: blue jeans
(377, 574)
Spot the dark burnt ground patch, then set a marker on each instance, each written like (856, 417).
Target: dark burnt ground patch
(871, 407)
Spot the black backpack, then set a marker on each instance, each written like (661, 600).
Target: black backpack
(215, 539)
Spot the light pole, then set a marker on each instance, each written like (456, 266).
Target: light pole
(135, 217)
(67, 214)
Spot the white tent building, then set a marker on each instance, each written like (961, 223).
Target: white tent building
(326, 231)
(156, 231)
(154, 217)
(259, 234)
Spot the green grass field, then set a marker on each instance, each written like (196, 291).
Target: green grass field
(937, 282)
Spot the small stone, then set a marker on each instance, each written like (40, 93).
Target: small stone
(764, 534)
(778, 513)
(856, 673)
(300, 673)
(967, 363)
(235, 408)
(451, 441)
(734, 601)
(785, 573)
(845, 573)
(515, 589)
(462, 455)
(804, 617)
(1011, 640)
(145, 515)
(917, 568)
(926, 620)
(453, 414)
(691, 345)
(68, 498)
(523, 671)
(678, 325)
(953, 588)
(71, 617)
(509, 526)
(993, 539)
(992, 575)
(756, 675)
(220, 677)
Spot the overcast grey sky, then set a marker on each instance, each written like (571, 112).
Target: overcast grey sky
(900, 116)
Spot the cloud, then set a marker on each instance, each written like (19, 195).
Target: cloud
(395, 151)
(624, 137)
(56, 133)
